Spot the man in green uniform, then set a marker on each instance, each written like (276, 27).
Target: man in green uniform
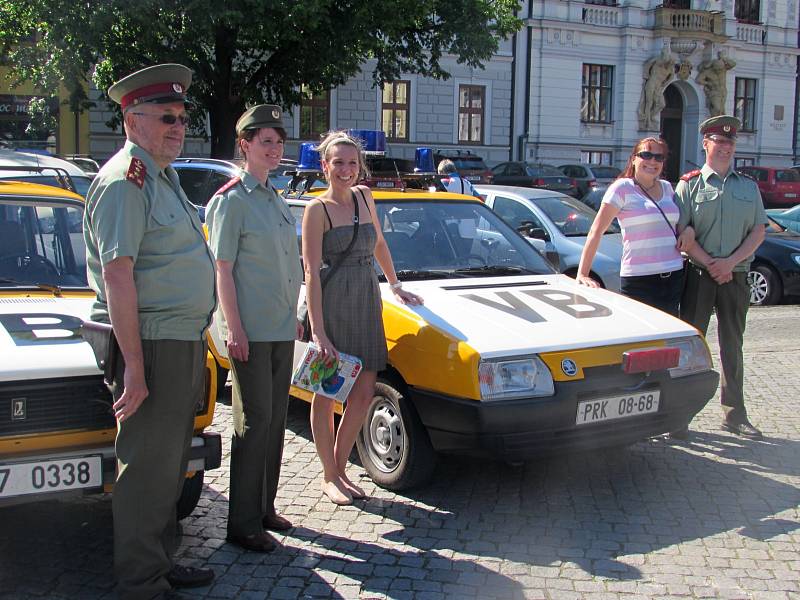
(153, 274)
(728, 217)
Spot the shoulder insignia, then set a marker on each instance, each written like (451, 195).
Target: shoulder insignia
(136, 172)
(690, 175)
(228, 185)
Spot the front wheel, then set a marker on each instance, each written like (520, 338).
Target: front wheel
(393, 444)
(765, 287)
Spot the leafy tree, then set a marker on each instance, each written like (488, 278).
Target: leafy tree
(244, 52)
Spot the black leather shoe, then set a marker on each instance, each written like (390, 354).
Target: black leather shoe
(258, 542)
(188, 577)
(745, 429)
(681, 434)
(275, 522)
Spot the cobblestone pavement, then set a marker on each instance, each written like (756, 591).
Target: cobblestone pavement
(716, 517)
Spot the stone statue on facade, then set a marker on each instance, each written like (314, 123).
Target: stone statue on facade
(657, 73)
(712, 75)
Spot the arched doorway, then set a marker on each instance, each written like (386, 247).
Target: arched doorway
(672, 132)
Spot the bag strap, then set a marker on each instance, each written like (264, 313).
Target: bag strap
(347, 250)
(674, 232)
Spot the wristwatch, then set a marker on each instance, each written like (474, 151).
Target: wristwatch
(397, 285)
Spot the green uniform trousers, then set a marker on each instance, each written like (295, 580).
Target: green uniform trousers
(730, 301)
(260, 399)
(152, 451)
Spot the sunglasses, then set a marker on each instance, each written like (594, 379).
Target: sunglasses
(166, 119)
(645, 155)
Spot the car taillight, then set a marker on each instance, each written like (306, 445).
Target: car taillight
(574, 183)
(538, 181)
(488, 176)
(592, 183)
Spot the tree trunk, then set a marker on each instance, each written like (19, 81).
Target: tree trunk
(223, 129)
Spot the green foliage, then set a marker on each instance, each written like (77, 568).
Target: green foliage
(245, 51)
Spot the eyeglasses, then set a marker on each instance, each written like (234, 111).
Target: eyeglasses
(166, 119)
(645, 155)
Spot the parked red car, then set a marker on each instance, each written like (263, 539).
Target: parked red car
(780, 187)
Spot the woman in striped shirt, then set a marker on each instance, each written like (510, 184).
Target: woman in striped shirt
(652, 266)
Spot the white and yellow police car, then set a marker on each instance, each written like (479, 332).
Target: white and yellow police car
(507, 358)
(57, 428)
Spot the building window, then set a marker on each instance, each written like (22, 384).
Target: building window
(596, 96)
(596, 157)
(602, 2)
(471, 102)
(314, 113)
(395, 110)
(748, 11)
(679, 4)
(745, 103)
(743, 161)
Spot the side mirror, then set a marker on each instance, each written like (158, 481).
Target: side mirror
(528, 229)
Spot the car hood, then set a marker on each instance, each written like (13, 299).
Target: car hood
(785, 239)
(40, 338)
(512, 316)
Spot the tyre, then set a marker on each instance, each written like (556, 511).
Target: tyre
(393, 445)
(190, 495)
(765, 286)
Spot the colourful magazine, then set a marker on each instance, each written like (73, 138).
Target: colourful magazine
(327, 377)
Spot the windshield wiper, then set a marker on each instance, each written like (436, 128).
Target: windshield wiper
(496, 270)
(42, 286)
(419, 274)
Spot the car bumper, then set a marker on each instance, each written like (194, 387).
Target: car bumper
(205, 454)
(528, 427)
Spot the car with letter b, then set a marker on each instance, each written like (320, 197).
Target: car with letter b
(57, 427)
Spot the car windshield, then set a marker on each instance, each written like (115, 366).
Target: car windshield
(81, 182)
(41, 244)
(544, 171)
(572, 217)
(605, 172)
(451, 239)
(470, 163)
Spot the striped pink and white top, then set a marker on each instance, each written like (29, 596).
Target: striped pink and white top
(648, 244)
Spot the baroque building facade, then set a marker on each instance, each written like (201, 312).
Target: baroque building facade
(581, 81)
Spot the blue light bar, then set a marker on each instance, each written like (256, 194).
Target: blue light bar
(373, 141)
(308, 159)
(423, 160)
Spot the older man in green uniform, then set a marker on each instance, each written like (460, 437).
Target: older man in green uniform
(728, 217)
(153, 274)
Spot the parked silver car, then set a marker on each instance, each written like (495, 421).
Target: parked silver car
(557, 226)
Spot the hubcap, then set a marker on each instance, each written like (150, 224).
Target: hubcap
(759, 287)
(384, 435)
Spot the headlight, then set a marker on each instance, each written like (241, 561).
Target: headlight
(504, 379)
(695, 357)
(796, 259)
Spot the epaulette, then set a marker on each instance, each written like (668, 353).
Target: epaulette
(228, 185)
(690, 175)
(136, 172)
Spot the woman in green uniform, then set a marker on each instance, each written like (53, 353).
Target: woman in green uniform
(253, 237)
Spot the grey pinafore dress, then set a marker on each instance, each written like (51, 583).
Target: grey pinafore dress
(351, 300)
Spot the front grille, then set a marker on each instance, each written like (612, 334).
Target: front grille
(55, 405)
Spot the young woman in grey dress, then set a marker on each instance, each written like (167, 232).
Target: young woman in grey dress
(346, 315)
